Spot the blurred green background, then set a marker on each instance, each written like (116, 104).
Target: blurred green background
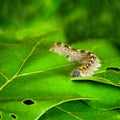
(77, 20)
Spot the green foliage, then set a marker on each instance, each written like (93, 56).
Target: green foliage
(35, 83)
(78, 110)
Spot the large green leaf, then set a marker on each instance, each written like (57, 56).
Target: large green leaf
(33, 79)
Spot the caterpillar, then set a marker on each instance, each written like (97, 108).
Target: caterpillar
(88, 60)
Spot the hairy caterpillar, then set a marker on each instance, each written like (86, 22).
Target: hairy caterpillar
(89, 60)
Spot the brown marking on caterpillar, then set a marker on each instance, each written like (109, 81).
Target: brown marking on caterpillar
(84, 67)
(87, 65)
(66, 46)
(92, 57)
(89, 53)
(58, 43)
(89, 61)
(82, 51)
(74, 49)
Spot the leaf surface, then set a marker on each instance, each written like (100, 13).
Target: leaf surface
(34, 80)
(79, 110)
(30, 79)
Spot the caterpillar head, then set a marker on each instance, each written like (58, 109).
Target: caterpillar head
(76, 73)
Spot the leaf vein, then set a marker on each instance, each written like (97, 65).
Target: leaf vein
(35, 72)
(71, 114)
(21, 66)
(4, 76)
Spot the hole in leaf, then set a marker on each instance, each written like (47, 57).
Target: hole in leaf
(116, 69)
(117, 109)
(13, 116)
(28, 102)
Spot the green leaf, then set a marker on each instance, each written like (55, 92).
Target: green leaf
(79, 110)
(32, 79)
